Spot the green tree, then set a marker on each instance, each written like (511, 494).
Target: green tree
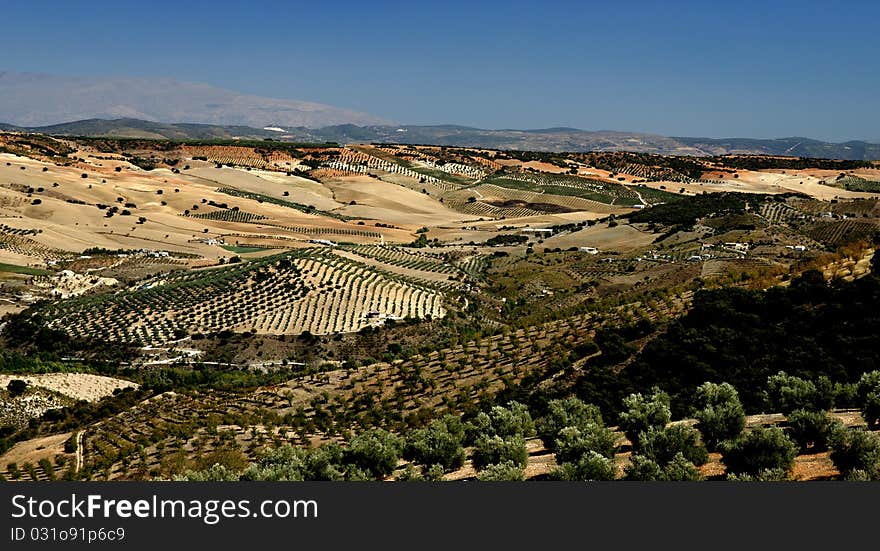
(591, 466)
(643, 412)
(375, 452)
(16, 387)
(643, 469)
(786, 393)
(288, 463)
(680, 469)
(812, 429)
(506, 471)
(663, 444)
(856, 451)
(766, 475)
(440, 443)
(503, 421)
(721, 415)
(574, 442)
(869, 397)
(758, 450)
(568, 412)
(492, 450)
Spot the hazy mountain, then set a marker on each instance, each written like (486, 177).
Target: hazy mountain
(550, 139)
(30, 99)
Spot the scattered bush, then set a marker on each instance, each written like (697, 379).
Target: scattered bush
(16, 387)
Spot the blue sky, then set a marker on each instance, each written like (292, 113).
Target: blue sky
(757, 69)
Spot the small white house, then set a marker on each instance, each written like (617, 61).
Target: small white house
(589, 250)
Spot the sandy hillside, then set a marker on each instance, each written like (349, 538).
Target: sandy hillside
(79, 386)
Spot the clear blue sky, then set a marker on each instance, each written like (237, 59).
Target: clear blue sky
(757, 69)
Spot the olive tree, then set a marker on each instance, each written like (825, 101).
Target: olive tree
(664, 444)
(575, 442)
(568, 412)
(643, 412)
(374, 453)
(440, 443)
(500, 472)
(869, 397)
(720, 415)
(591, 466)
(812, 429)
(856, 451)
(786, 393)
(758, 450)
(503, 421)
(492, 450)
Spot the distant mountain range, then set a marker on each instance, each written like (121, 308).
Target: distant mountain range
(550, 139)
(33, 99)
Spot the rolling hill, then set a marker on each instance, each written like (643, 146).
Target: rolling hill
(550, 139)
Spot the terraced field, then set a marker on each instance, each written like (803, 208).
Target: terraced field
(315, 408)
(306, 290)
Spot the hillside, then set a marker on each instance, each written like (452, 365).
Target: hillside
(219, 299)
(548, 140)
